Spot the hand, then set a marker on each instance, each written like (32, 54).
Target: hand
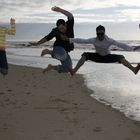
(56, 9)
(136, 48)
(12, 20)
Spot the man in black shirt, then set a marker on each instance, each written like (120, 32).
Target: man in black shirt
(61, 48)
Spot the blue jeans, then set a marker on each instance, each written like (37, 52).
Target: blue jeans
(60, 54)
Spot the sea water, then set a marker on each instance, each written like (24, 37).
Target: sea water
(112, 84)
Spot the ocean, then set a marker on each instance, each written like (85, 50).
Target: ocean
(112, 84)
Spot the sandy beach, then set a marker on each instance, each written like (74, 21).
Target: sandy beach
(52, 106)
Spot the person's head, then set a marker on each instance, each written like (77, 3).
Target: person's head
(100, 32)
(61, 25)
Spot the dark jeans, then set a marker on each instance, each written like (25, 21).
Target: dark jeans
(3, 63)
(110, 58)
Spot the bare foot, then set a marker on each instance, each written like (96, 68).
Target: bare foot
(72, 72)
(137, 68)
(45, 51)
(48, 68)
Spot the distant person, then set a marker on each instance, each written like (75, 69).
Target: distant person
(102, 45)
(61, 48)
(3, 59)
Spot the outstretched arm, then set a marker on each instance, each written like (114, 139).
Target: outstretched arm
(78, 40)
(122, 45)
(125, 46)
(43, 40)
(66, 13)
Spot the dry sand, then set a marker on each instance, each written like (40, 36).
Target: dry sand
(34, 106)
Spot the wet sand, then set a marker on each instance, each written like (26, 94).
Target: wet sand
(52, 106)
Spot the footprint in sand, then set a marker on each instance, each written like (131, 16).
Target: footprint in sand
(135, 133)
(18, 83)
(28, 93)
(5, 126)
(45, 137)
(74, 112)
(59, 130)
(75, 121)
(97, 129)
(137, 124)
(34, 77)
(70, 86)
(9, 90)
(25, 103)
(2, 93)
(93, 112)
(26, 85)
(7, 99)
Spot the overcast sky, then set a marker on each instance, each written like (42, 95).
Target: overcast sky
(115, 12)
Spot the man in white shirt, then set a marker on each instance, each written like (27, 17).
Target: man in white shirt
(102, 45)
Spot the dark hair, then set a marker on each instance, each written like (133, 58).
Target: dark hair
(60, 21)
(100, 27)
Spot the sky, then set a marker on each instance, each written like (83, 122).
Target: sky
(120, 17)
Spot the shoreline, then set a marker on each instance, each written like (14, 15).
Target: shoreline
(57, 106)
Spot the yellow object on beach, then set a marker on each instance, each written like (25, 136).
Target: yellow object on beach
(6, 31)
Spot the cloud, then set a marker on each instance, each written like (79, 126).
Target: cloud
(84, 11)
(21, 9)
(111, 14)
(91, 12)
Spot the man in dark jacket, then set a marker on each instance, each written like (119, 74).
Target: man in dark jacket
(61, 48)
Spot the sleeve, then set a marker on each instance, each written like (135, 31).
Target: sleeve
(70, 26)
(12, 30)
(82, 41)
(50, 35)
(122, 45)
(70, 22)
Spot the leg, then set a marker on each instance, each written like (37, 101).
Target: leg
(85, 57)
(128, 65)
(3, 63)
(65, 66)
(137, 68)
(78, 65)
(60, 54)
(111, 58)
